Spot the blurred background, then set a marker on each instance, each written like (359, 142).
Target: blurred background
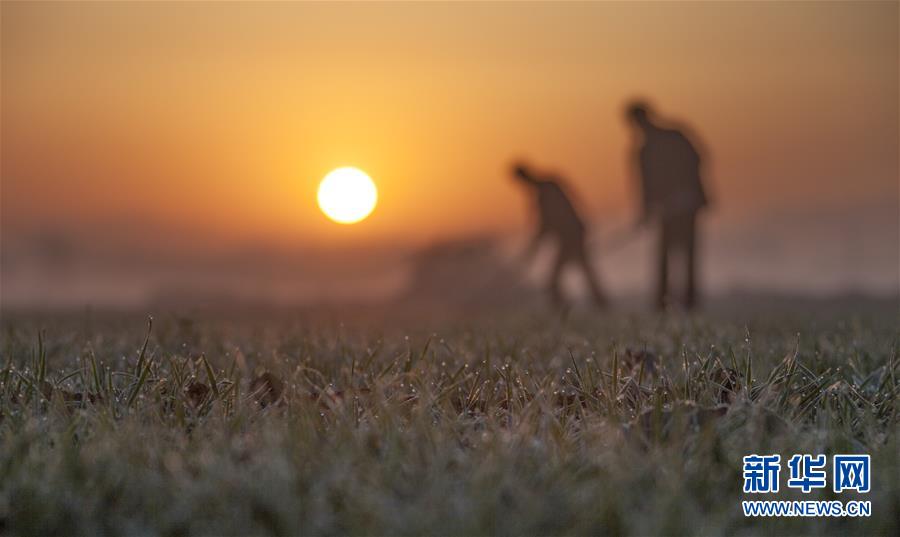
(163, 153)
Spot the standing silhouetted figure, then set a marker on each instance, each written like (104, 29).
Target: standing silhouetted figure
(559, 220)
(671, 196)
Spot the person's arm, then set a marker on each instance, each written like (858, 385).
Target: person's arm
(533, 245)
(701, 158)
(540, 224)
(640, 191)
(699, 155)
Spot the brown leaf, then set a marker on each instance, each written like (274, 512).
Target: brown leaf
(267, 389)
(328, 398)
(728, 382)
(46, 390)
(197, 392)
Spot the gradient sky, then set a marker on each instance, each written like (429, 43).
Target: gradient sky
(199, 126)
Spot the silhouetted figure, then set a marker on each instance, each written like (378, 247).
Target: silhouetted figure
(671, 196)
(559, 221)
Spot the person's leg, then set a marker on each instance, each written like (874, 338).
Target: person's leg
(583, 259)
(690, 252)
(662, 264)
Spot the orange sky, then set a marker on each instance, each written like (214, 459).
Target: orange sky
(219, 120)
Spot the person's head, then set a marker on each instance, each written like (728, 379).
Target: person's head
(522, 172)
(638, 112)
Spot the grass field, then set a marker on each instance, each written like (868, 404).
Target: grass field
(517, 425)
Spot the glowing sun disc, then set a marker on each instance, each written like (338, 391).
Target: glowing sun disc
(347, 195)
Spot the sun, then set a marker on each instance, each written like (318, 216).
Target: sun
(347, 195)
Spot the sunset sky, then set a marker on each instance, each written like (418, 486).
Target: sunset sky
(188, 128)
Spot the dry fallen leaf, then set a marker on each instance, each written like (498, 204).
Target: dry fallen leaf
(197, 392)
(267, 389)
(728, 382)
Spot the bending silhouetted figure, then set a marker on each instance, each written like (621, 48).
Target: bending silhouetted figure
(558, 220)
(671, 196)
